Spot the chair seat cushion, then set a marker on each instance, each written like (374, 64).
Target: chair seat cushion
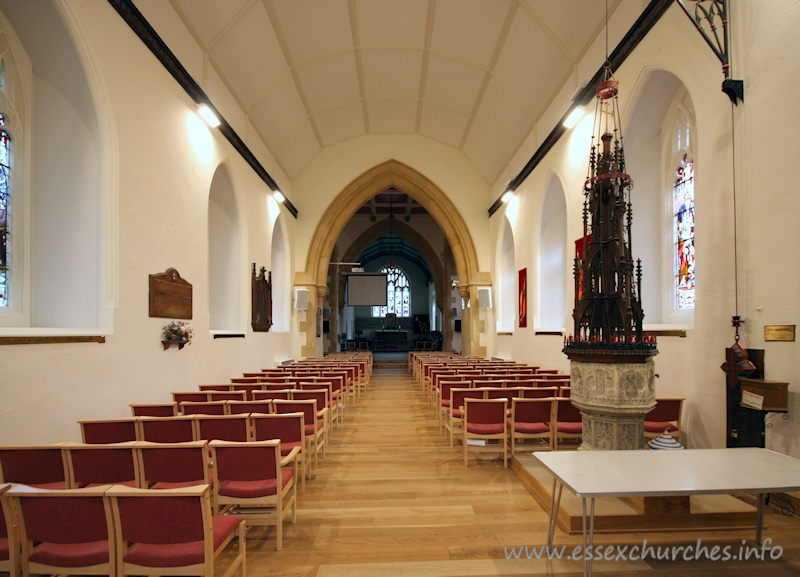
(286, 448)
(485, 428)
(71, 554)
(531, 428)
(310, 429)
(254, 489)
(659, 426)
(445, 402)
(569, 427)
(180, 484)
(180, 554)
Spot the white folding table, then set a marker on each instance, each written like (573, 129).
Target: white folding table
(597, 474)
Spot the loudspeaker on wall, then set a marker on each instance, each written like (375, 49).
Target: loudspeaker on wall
(301, 299)
(485, 298)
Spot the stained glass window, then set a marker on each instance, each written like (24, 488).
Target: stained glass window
(683, 231)
(398, 294)
(5, 209)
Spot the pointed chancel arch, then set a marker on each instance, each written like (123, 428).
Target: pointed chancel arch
(394, 174)
(391, 174)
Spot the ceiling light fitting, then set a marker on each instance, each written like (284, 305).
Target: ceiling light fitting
(208, 115)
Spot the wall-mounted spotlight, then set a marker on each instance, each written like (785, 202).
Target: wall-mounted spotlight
(574, 117)
(208, 115)
(278, 196)
(507, 195)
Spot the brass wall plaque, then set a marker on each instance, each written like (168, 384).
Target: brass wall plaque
(783, 333)
(170, 295)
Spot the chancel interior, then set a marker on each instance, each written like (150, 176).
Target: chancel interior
(389, 221)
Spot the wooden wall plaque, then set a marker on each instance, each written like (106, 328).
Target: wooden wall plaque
(170, 295)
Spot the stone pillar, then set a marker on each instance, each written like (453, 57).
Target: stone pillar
(613, 398)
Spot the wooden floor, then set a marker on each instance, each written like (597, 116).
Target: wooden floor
(392, 499)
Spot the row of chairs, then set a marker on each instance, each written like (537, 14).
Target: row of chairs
(257, 478)
(445, 382)
(494, 426)
(283, 423)
(117, 530)
(452, 398)
(261, 403)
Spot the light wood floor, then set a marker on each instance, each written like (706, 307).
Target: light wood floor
(392, 499)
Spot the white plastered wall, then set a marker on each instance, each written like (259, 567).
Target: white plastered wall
(767, 209)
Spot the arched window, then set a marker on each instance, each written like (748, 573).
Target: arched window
(398, 294)
(682, 165)
(683, 230)
(5, 205)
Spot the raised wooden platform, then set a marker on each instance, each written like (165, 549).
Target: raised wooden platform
(706, 512)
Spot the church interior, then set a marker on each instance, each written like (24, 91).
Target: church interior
(392, 185)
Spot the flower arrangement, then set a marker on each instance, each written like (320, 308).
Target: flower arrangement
(178, 331)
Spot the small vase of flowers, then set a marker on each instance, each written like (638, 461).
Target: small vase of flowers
(177, 332)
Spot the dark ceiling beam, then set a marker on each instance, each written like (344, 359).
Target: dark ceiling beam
(652, 14)
(147, 34)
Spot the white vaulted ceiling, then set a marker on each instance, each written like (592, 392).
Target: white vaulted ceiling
(476, 75)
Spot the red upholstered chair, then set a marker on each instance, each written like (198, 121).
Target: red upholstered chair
(566, 422)
(565, 392)
(66, 532)
(154, 409)
(109, 430)
(325, 410)
(234, 395)
(247, 389)
(278, 392)
(252, 480)
(314, 426)
(455, 411)
(443, 401)
(92, 465)
(485, 428)
(203, 408)
(9, 538)
(174, 532)
(36, 465)
(224, 427)
(168, 429)
(215, 387)
(289, 429)
(191, 396)
(172, 465)
(530, 419)
(247, 407)
(540, 393)
(664, 417)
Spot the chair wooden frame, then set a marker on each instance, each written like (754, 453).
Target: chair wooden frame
(36, 465)
(561, 428)
(200, 527)
(530, 419)
(90, 465)
(665, 416)
(46, 542)
(154, 409)
(10, 542)
(483, 428)
(239, 489)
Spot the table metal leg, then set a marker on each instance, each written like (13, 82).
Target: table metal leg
(555, 504)
(588, 537)
(759, 517)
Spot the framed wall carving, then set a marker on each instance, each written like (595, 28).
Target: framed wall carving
(170, 295)
(261, 306)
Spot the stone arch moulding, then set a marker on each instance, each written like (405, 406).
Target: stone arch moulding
(383, 176)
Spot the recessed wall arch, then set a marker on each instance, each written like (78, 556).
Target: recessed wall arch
(379, 178)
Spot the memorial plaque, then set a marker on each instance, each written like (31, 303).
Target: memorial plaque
(779, 333)
(170, 295)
